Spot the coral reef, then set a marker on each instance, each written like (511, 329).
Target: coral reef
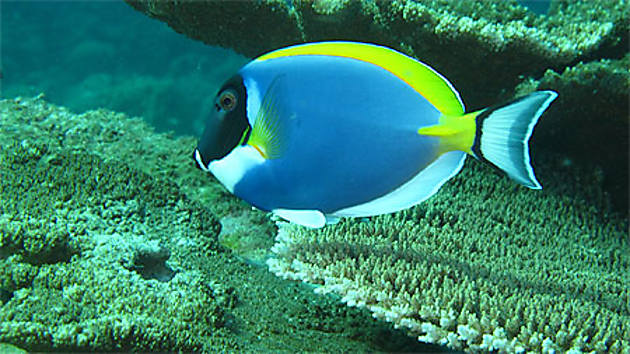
(68, 221)
(485, 48)
(465, 40)
(108, 242)
(484, 264)
(111, 241)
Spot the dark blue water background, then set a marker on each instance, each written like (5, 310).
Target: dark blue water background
(92, 54)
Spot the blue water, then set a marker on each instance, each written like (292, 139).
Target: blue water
(86, 55)
(540, 7)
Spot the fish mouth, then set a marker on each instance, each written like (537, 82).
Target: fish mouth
(199, 161)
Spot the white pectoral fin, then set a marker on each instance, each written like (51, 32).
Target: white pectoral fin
(308, 218)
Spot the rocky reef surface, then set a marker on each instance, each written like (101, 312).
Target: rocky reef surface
(110, 240)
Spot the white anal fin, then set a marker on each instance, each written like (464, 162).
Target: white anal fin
(418, 189)
(308, 218)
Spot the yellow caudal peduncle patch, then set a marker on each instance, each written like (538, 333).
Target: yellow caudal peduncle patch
(455, 132)
(422, 78)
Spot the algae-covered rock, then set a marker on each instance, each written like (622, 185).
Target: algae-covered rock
(484, 265)
(249, 27)
(78, 217)
(109, 242)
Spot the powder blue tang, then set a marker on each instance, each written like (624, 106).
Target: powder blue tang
(341, 129)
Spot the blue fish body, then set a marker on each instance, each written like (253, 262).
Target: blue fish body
(342, 129)
(338, 122)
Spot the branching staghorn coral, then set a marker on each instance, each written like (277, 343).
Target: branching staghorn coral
(484, 265)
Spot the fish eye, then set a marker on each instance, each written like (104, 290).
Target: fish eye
(227, 100)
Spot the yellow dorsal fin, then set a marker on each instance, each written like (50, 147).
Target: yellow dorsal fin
(421, 77)
(455, 132)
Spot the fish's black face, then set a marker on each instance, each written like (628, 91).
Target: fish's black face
(226, 125)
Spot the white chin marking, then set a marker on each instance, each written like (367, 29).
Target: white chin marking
(199, 160)
(231, 169)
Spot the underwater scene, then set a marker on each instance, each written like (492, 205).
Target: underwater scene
(314, 176)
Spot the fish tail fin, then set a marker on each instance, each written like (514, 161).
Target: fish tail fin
(502, 135)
